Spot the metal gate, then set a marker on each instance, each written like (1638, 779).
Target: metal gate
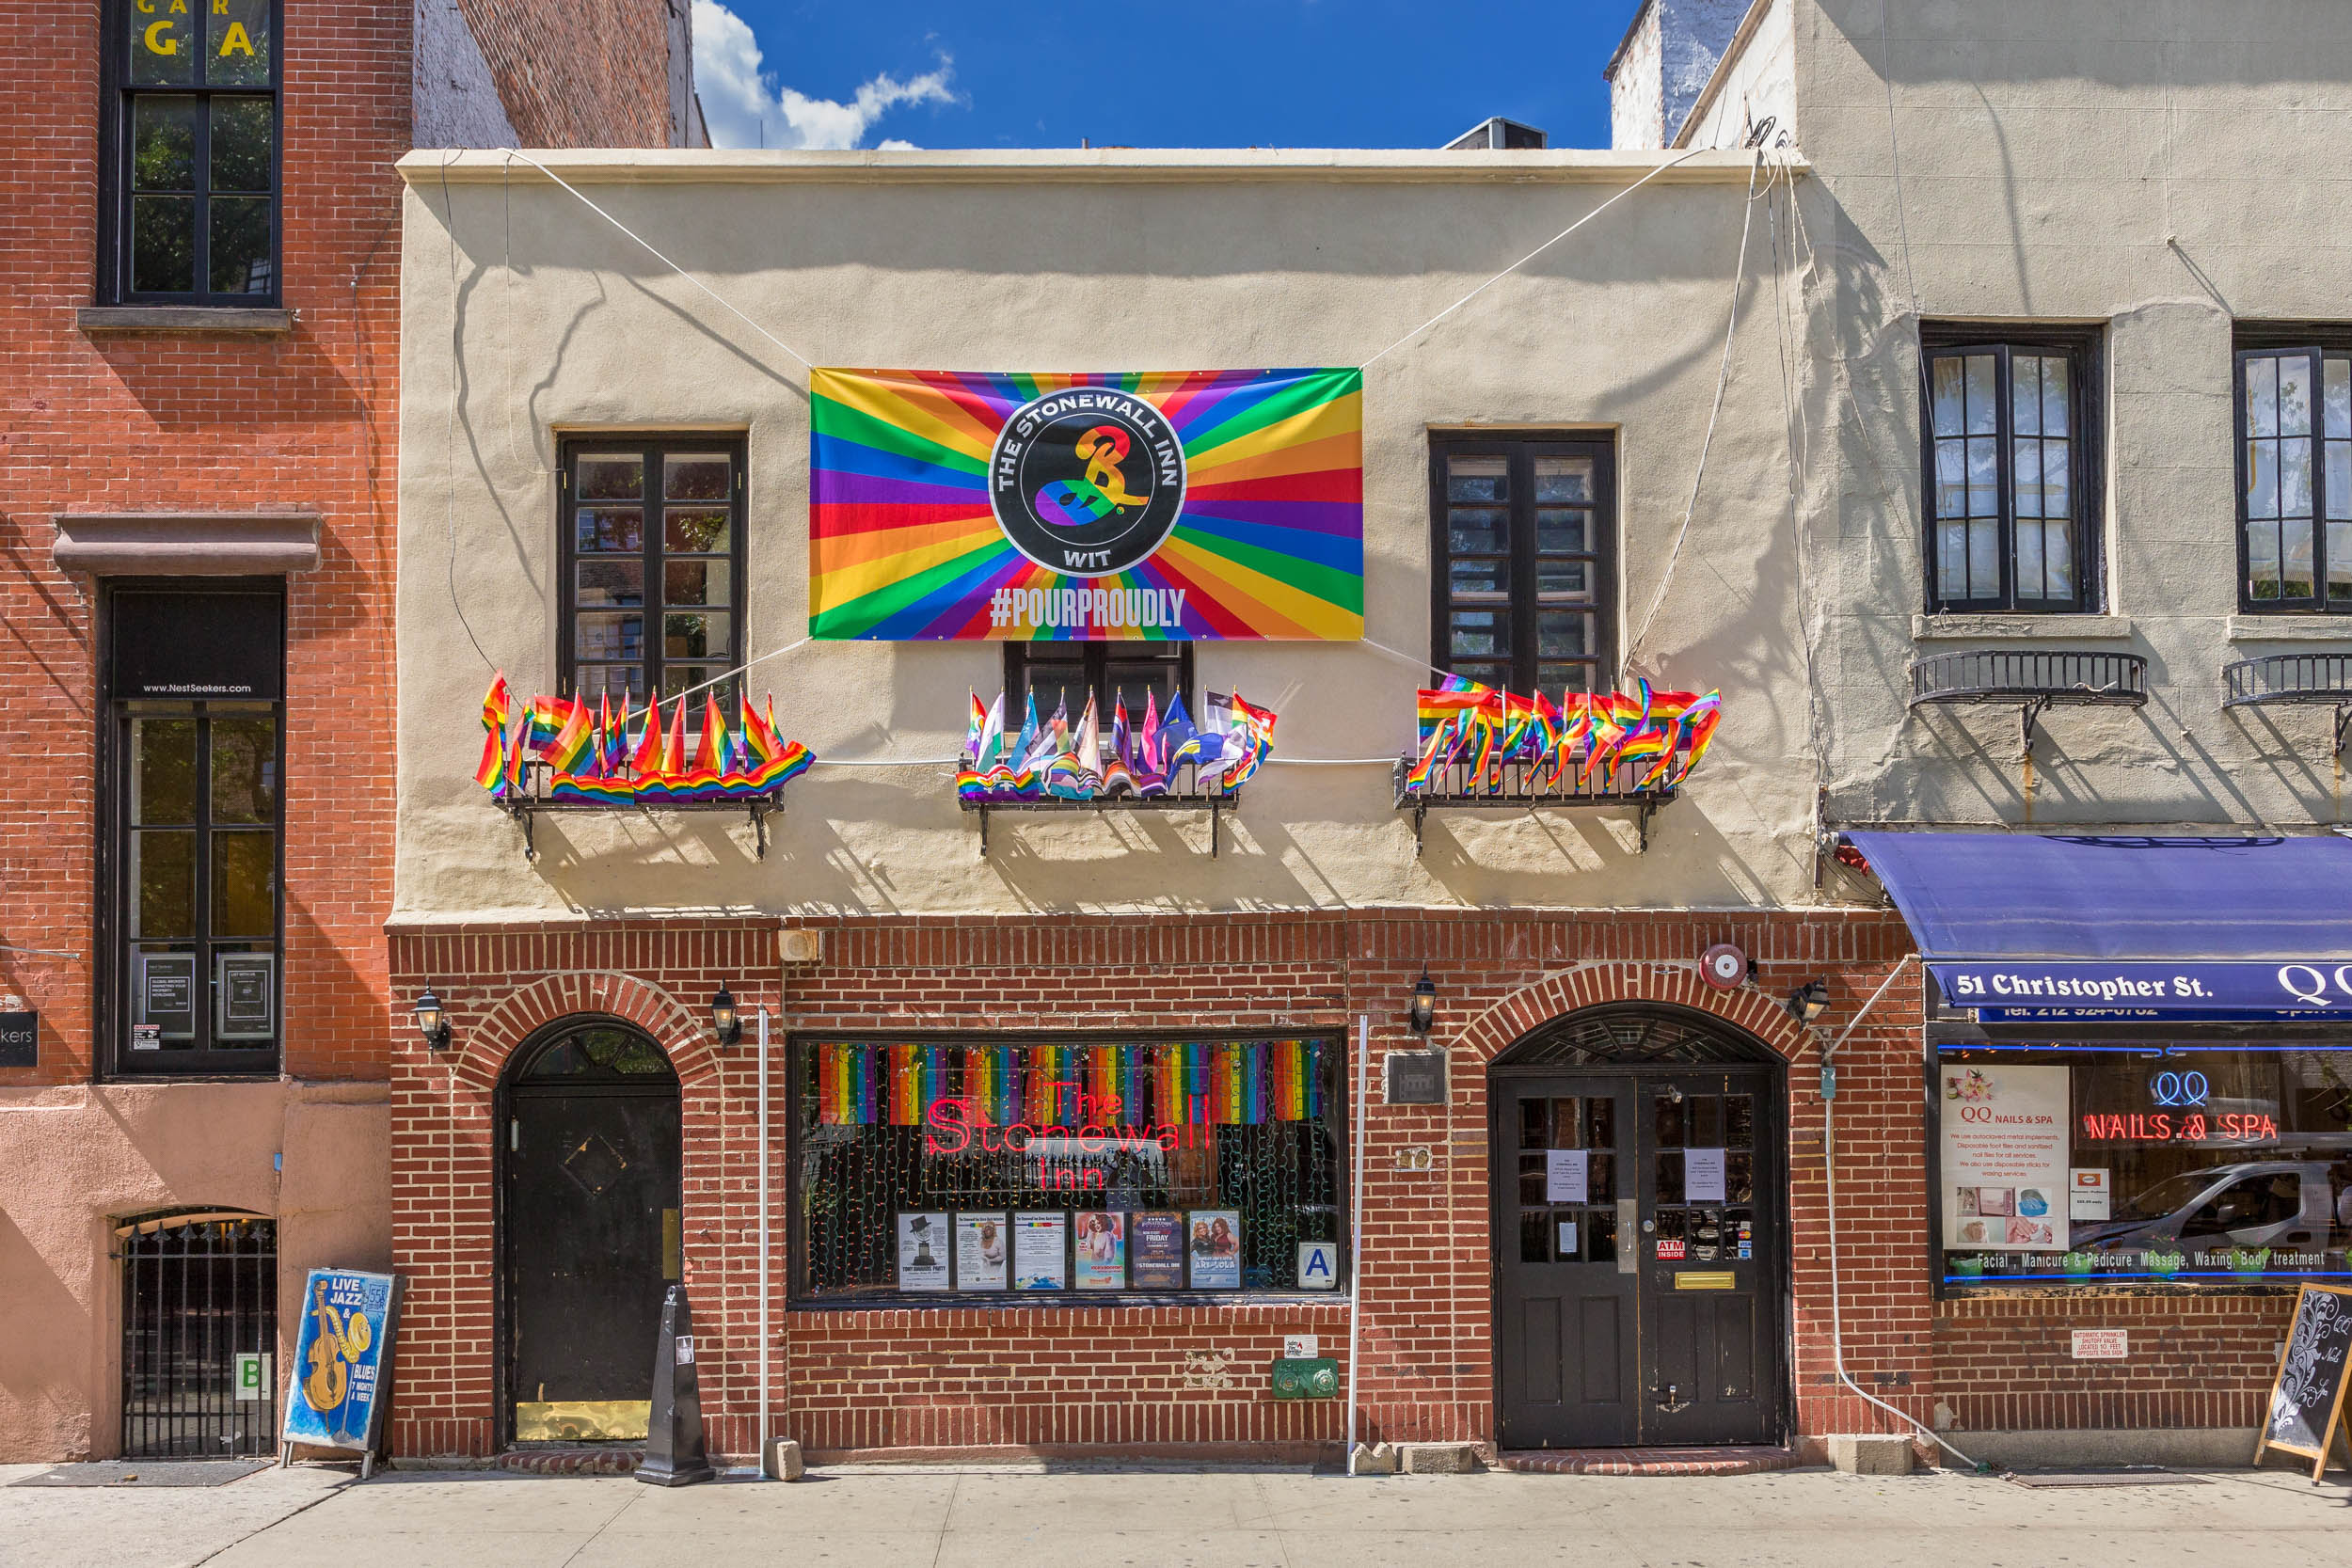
(199, 1332)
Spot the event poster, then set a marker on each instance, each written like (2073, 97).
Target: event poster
(1041, 1251)
(1155, 1251)
(983, 1243)
(1101, 1251)
(922, 1252)
(333, 1396)
(1170, 505)
(2006, 1148)
(1217, 1249)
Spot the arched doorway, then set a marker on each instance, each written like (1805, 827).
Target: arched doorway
(591, 1232)
(1641, 1217)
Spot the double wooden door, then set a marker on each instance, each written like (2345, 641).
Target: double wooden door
(1640, 1222)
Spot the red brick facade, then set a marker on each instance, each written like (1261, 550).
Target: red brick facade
(1038, 1378)
(580, 73)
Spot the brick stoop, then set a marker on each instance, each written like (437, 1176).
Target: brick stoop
(572, 1462)
(1647, 1461)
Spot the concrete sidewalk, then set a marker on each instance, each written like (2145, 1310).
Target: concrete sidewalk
(954, 1516)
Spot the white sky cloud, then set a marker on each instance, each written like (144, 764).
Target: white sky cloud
(738, 95)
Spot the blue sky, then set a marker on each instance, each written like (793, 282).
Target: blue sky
(1124, 72)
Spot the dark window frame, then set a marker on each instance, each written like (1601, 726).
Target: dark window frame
(650, 448)
(1094, 658)
(112, 1059)
(2324, 341)
(2082, 347)
(1521, 448)
(799, 1060)
(117, 95)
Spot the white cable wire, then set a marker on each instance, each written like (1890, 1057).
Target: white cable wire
(1532, 255)
(1722, 381)
(796, 354)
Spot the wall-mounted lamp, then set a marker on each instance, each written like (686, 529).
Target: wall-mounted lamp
(1424, 1010)
(1808, 1002)
(432, 1022)
(724, 1022)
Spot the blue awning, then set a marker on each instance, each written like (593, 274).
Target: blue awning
(2028, 926)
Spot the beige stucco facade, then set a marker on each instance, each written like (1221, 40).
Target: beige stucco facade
(527, 316)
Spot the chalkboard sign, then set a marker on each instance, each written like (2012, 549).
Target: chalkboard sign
(2307, 1397)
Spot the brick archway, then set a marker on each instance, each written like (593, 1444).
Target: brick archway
(684, 1036)
(1593, 985)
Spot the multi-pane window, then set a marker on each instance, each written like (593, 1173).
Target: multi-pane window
(1524, 562)
(192, 152)
(2295, 479)
(1061, 675)
(2009, 491)
(652, 567)
(197, 755)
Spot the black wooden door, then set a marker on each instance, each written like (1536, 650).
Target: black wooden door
(1710, 1271)
(1638, 1265)
(1567, 1327)
(593, 1230)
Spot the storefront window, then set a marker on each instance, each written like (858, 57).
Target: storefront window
(1106, 1167)
(2219, 1164)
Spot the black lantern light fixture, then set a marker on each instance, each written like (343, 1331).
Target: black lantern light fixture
(1424, 1012)
(1808, 1002)
(432, 1021)
(724, 1022)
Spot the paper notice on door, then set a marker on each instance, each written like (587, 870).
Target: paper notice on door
(1564, 1171)
(1702, 1176)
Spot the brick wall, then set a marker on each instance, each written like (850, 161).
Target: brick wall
(578, 72)
(1048, 1378)
(191, 422)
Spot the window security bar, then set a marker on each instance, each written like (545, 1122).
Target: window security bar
(2034, 679)
(2294, 680)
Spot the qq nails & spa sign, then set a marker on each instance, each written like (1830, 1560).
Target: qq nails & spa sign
(2005, 1156)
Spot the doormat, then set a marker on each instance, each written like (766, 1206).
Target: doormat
(2102, 1478)
(149, 1472)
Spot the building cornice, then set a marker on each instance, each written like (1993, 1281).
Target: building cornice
(427, 169)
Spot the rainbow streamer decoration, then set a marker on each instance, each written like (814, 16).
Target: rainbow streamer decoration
(1188, 1084)
(1576, 746)
(905, 546)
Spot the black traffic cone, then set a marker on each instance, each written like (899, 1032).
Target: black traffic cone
(675, 1455)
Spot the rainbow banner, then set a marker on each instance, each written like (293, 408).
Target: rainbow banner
(1164, 505)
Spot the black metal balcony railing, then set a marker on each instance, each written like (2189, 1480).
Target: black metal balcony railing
(1187, 790)
(2035, 679)
(533, 803)
(2294, 680)
(1521, 786)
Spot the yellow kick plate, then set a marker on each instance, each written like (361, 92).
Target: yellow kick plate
(1705, 1279)
(581, 1420)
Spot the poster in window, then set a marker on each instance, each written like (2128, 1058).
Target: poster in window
(1101, 1251)
(922, 1252)
(1041, 1252)
(1567, 1174)
(1156, 1245)
(1217, 1249)
(165, 987)
(2006, 1153)
(1702, 1176)
(244, 996)
(982, 1246)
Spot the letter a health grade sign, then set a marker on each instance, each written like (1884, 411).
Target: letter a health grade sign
(1160, 505)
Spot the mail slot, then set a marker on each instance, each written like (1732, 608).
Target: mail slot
(1705, 1279)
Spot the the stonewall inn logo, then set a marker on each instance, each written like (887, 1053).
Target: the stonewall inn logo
(1087, 480)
